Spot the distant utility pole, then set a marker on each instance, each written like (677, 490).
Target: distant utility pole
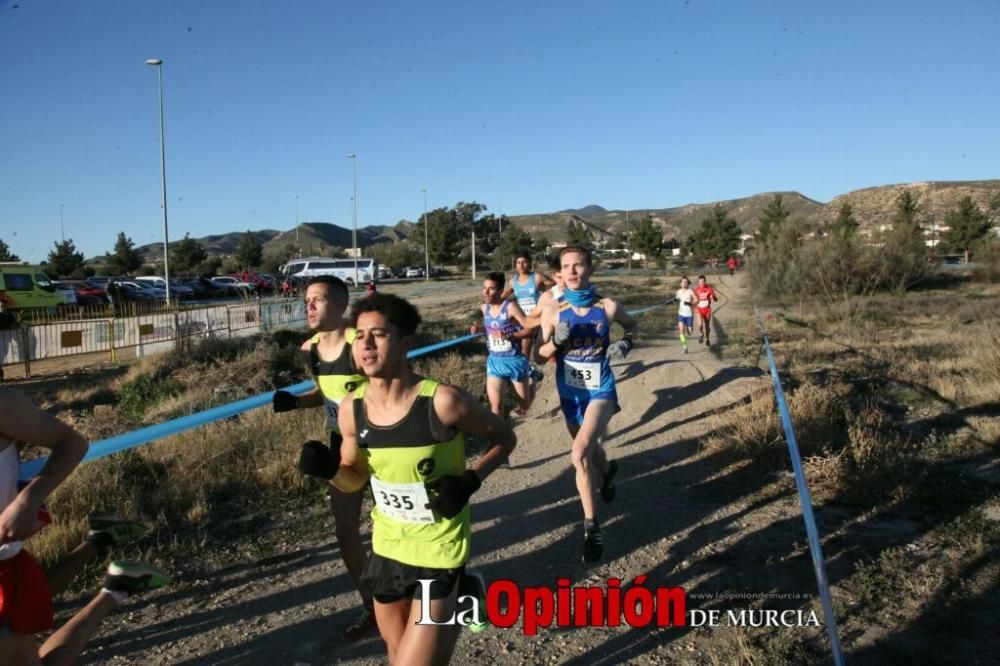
(628, 243)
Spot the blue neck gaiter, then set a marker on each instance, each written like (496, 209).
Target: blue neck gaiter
(583, 298)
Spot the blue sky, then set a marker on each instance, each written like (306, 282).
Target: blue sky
(526, 107)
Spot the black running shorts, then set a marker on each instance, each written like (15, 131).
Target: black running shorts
(390, 580)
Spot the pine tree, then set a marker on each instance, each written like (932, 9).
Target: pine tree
(65, 260)
(6, 254)
(771, 219)
(648, 239)
(718, 236)
(844, 226)
(249, 252)
(186, 254)
(968, 225)
(123, 259)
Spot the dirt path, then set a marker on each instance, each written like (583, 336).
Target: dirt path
(682, 517)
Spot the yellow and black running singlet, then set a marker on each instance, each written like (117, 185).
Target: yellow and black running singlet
(335, 378)
(401, 458)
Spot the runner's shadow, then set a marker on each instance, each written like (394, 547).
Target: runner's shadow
(633, 368)
(718, 411)
(673, 396)
(719, 338)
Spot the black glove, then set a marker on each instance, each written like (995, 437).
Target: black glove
(318, 459)
(283, 401)
(448, 494)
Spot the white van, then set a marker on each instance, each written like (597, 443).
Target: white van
(342, 268)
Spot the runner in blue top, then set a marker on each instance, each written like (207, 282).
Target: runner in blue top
(505, 326)
(576, 329)
(526, 286)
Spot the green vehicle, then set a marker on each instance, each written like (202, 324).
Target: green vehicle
(23, 287)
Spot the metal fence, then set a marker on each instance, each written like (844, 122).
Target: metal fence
(146, 333)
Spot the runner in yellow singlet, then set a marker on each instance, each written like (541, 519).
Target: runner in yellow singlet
(328, 355)
(406, 436)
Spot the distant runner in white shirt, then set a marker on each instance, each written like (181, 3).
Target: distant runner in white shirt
(685, 315)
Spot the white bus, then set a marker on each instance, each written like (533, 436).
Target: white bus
(308, 267)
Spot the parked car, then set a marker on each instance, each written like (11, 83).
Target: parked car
(231, 285)
(124, 290)
(414, 272)
(384, 273)
(201, 287)
(86, 293)
(177, 290)
(272, 281)
(66, 291)
(258, 281)
(156, 293)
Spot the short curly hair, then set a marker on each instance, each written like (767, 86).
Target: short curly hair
(400, 312)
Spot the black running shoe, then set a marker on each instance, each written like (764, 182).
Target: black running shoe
(363, 626)
(593, 544)
(608, 484)
(536, 374)
(701, 339)
(107, 531)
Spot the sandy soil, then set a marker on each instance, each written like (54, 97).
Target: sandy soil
(682, 517)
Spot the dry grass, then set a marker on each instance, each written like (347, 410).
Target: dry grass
(187, 483)
(894, 410)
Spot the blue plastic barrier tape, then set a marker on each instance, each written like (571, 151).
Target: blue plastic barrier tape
(815, 549)
(152, 433)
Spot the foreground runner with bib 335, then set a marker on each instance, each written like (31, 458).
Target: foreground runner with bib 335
(406, 435)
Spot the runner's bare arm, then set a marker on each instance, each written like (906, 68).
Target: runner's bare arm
(456, 408)
(313, 397)
(477, 326)
(618, 314)
(543, 281)
(535, 318)
(527, 328)
(353, 473)
(508, 291)
(550, 316)
(21, 420)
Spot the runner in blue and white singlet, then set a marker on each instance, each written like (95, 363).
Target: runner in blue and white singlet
(505, 326)
(525, 294)
(527, 288)
(576, 328)
(582, 370)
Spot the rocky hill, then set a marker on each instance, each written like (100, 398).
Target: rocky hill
(872, 206)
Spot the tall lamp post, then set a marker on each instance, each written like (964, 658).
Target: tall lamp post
(298, 247)
(354, 212)
(158, 64)
(427, 252)
(628, 243)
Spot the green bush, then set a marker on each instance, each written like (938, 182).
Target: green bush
(141, 393)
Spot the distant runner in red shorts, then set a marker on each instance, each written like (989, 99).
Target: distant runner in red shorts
(704, 296)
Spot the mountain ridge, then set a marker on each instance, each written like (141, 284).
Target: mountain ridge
(873, 206)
